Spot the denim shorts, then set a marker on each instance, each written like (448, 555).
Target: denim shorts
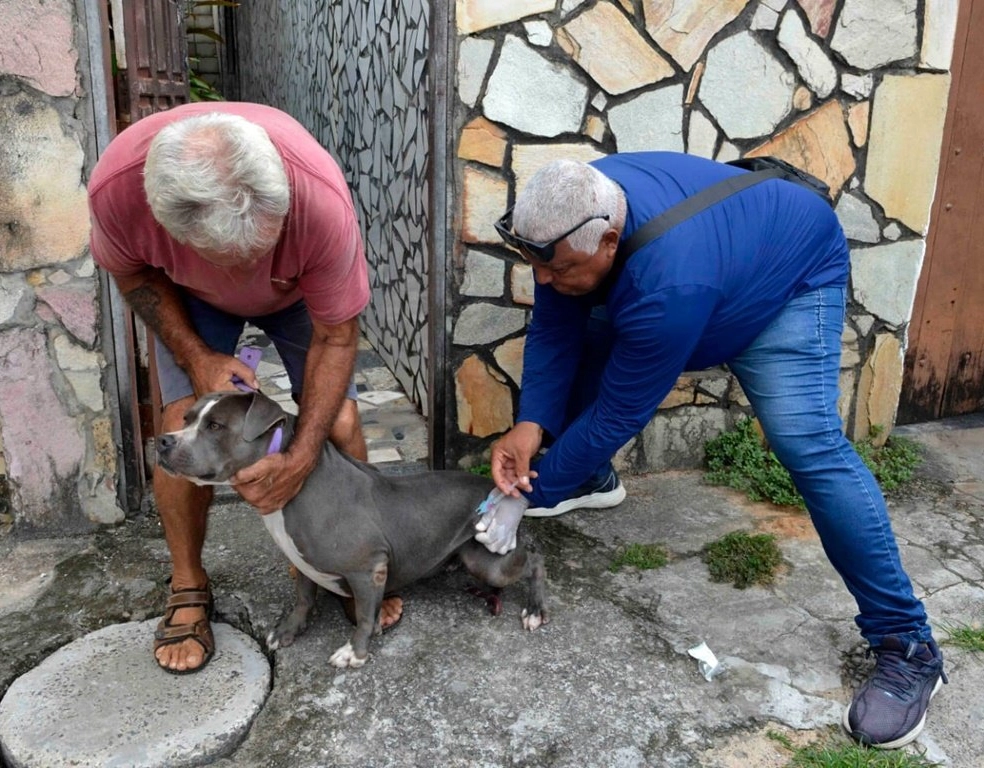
(289, 329)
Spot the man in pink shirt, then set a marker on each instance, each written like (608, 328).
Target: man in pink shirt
(208, 216)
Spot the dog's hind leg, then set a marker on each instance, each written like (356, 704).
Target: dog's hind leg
(502, 570)
(367, 590)
(295, 622)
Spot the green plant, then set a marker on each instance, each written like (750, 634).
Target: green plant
(854, 756)
(199, 88)
(782, 738)
(743, 558)
(966, 636)
(484, 470)
(893, 464)
(739, 459)
(645, 557)
(834, 752)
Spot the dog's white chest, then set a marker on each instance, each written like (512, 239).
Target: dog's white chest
(274, 523)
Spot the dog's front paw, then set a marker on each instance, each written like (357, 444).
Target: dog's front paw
(285, 633)
(533, 619)
(345, 657)
(275, 640)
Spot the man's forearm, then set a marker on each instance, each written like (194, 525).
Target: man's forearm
(327, 373)
(155, 300)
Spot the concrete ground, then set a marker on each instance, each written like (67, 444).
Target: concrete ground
(608, 682)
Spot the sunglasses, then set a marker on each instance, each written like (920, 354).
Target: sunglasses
(540, 251)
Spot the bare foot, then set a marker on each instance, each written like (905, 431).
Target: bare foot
(390, 611)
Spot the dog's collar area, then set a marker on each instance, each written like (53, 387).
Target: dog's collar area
(276, 441)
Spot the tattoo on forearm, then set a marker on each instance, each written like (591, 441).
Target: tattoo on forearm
(146, 302)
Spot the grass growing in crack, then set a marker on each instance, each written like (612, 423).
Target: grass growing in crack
(967, 636)
(645, 557)
(739, 460)
(854, 756)
(833, 752)
(743, 559)
(893, 463)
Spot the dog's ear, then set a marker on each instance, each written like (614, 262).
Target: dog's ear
(263, 415)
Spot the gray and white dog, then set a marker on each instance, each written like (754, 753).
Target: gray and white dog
(351, 529)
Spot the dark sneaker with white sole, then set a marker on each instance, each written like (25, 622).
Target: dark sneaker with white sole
(602, 491)
(889, 710)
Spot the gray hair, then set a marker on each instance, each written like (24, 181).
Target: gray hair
(563, 193)
(216, 183)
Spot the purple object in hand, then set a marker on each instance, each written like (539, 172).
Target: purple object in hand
(251, 357)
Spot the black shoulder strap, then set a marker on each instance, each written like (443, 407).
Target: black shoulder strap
(693, 205)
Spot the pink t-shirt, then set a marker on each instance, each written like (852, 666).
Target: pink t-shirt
(319, 257)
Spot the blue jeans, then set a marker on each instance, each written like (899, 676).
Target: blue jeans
(790, 375)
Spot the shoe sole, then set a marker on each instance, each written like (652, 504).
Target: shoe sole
(605, 500)
(902, 740)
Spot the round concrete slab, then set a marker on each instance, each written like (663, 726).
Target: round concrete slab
(102, 701)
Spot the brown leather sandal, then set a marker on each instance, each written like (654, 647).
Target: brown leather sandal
(199, 631)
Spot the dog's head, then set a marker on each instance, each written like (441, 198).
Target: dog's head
(224, 432)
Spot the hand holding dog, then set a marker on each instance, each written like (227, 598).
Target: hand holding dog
(511, 455)
(497, 527)
(214, 372)
(272, 481)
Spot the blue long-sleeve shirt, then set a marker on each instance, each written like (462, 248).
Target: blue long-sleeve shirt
(694, 298)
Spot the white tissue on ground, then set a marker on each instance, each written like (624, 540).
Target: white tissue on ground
(707, 662)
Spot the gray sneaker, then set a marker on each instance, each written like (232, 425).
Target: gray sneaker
(889, 710)
(595, 494)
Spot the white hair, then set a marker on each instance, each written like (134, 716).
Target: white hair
(564, 193)
(216, 183)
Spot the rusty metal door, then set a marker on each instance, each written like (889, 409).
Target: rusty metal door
(151, 75)
(944, 364)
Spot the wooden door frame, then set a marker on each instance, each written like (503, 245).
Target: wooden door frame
(926, 378)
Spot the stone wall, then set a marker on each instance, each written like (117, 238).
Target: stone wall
(204, 57)
(354, 73)
(854, 92)
(58, 461)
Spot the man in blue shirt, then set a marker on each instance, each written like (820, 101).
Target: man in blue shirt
(757, 281)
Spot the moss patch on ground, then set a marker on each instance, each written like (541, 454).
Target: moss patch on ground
(739, 459)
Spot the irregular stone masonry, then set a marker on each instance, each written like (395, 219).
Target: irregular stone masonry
(853, 91)
(719, 80)
(58, 463)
